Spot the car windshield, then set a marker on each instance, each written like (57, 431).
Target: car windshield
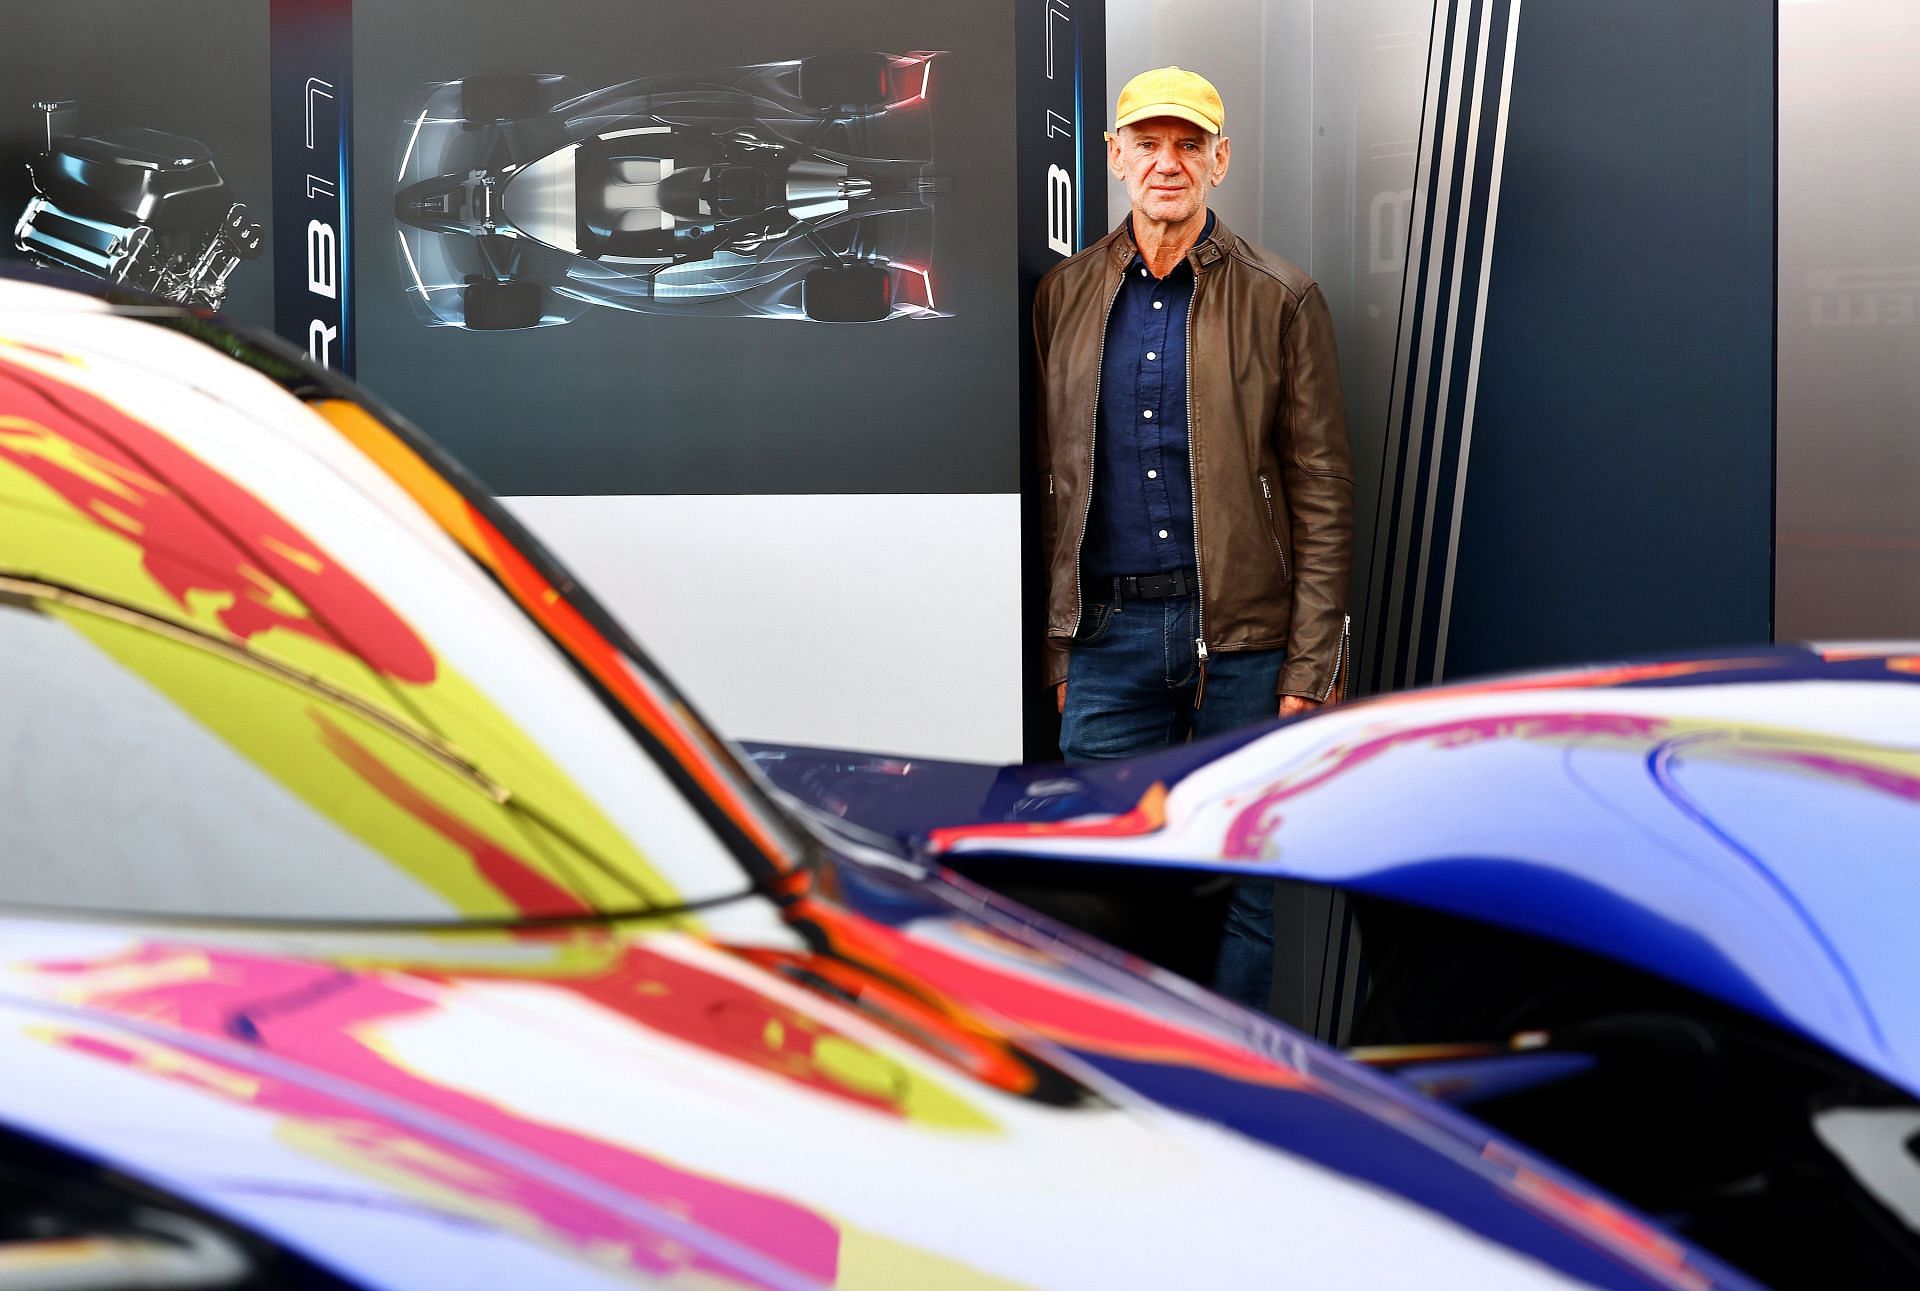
(271, 658)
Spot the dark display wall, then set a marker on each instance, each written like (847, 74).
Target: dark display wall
(1579, 461)
(773, 250)
(705, 397)
(183, 89)
(728, 300)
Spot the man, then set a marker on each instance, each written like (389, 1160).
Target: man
(1198, 518)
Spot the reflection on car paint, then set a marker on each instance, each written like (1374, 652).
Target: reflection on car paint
(847, 1074)
(661, 716)
(211, 546)
(1746, 904)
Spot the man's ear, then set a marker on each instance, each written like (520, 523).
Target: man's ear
(1114, 161)
(1221, 153)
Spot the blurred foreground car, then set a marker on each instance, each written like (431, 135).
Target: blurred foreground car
(375, 914)
(1653, 920)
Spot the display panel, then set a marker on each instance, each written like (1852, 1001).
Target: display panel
(647, 249)
(124, 159)
(645, 269)
(1579, 457)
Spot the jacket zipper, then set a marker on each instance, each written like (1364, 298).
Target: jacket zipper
(1339, 656)
(1193, 495)
(1266, 495)
(1093, 433)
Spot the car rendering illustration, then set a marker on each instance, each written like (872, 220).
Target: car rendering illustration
(376, 914)
(799, 190)
(135, 206)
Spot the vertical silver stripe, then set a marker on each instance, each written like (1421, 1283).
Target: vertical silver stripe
(1479, 325)
(1447, 353)
(1416, 430)
(1383, 531)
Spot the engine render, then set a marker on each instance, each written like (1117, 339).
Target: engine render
(134, 206)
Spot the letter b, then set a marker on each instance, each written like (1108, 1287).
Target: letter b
(1059, 211)
(321, 274)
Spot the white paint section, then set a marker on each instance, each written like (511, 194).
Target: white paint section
(888, 623)
(201, 806)
(1039, 1196)
(1872, 1143)
(275, 448)
(1128, 1195)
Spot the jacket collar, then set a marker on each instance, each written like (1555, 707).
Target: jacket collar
(1210, 249)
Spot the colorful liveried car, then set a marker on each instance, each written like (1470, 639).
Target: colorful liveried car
(801, 190)
(375, 914)
(1652, 919)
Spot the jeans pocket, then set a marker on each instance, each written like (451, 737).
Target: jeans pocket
(1093, 624)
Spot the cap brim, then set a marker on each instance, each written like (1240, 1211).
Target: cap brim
(1180, 110)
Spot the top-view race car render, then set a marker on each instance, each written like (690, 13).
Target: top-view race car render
(134, 206)
(374, 913)
(800, 189)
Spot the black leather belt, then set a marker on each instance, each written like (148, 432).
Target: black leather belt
(1153, 587)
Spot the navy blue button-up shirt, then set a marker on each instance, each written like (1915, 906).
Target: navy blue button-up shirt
(1142, 516)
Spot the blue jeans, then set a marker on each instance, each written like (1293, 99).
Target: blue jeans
(1131, 677)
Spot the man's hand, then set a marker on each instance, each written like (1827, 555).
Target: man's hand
(1060, 698)
(1290, 705)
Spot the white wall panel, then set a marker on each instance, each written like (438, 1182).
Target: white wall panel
(1848, 541)
(880, 622)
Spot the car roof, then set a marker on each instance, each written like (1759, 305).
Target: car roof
(209, 529)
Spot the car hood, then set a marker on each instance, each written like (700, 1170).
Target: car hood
(815, 1099)
(1742, 826)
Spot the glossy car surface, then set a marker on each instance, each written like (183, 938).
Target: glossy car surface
(1652, 918)
(1745, 826)
(801, 190)
(378, 915)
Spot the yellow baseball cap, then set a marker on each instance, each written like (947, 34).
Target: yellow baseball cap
(1171, 92)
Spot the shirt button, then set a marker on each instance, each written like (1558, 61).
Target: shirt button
(1156, 304)
(1153, 475)
(1163, 533)
(1151, 356)
(1147, 413)
(1143, 273)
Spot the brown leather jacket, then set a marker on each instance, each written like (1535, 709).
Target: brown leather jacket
(1272, 477)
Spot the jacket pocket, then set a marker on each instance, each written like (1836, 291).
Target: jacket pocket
(1093, 624)
(1273, 530)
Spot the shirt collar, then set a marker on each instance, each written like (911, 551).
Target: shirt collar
(1138, 260)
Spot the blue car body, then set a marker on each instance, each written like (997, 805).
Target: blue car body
(1747, 826)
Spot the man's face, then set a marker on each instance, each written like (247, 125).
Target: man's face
(1167, 165)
